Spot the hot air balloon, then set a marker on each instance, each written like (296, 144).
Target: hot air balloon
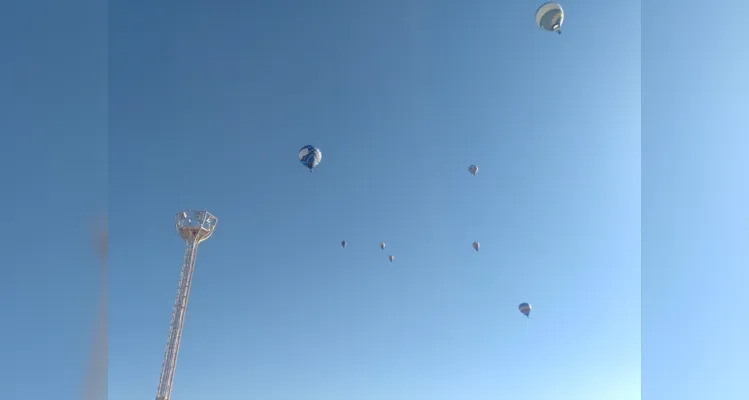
(343, 244)
(391, 258)
(473, 169)
(525, 308)
(382, 245)
(476, 246)
(310, 156)
(550, 17)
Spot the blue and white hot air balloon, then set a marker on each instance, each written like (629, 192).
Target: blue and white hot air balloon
(473, 170)
(525, 308)
(550, 17)
(310, 156)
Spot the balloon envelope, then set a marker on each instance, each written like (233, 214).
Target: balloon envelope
(382, 245)
(550, 17)
(343, 244)
(310, 156)
(391, 258)
(525, 308)
(476, 246)
(473, 169)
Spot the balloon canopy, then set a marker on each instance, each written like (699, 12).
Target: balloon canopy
(310, 156)
(550, 17)
(525, 308)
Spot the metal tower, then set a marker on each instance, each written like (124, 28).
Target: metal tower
(194, 227)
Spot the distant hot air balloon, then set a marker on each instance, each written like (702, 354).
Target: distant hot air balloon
(473, 169)
(343, 244)
(525, 308)
(310, 156)
(476, 246)
(550, 17)
(391, 258)
(382, 245)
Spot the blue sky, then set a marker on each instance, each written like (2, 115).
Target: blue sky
(208, 104)
(695, 229)
(53, 169)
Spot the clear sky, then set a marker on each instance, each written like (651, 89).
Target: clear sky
(695, 201)
(210, 102)
(53, 177)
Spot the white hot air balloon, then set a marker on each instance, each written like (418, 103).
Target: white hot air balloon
(382, 245)
(550, 17)
(391, 258)
(476, 246)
